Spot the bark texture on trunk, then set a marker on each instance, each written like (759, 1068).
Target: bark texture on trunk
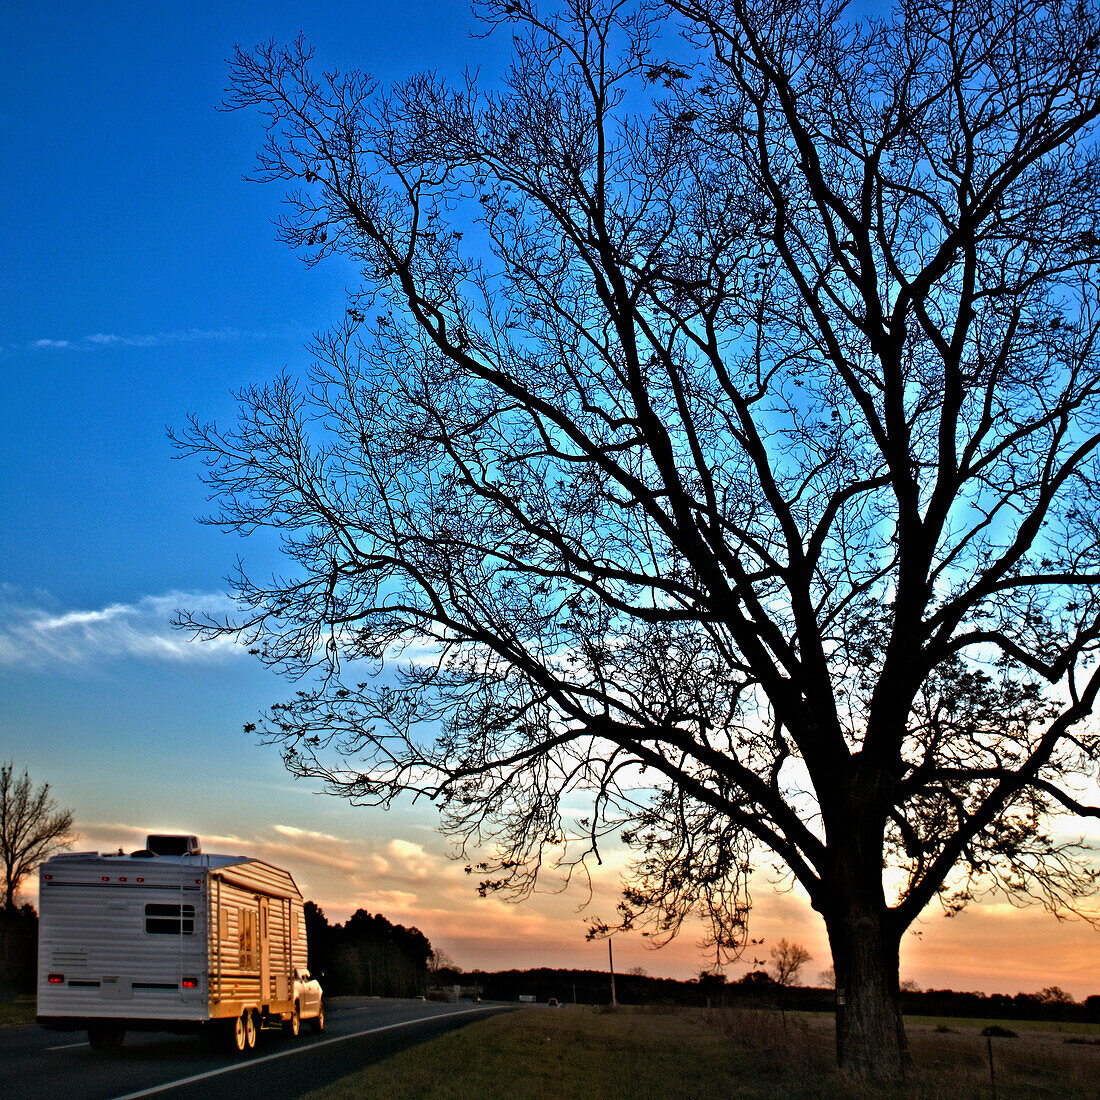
(870, 1035)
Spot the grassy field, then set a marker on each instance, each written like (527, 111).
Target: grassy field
(962, 1023)
(16, 1012)
(589, 1054)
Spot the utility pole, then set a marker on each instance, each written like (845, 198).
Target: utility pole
(611, 967)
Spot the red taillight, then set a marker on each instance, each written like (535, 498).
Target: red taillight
(123, 879)
(106, 878)
(47, 877)
(190, 983)
(140, 879)
(56, 979)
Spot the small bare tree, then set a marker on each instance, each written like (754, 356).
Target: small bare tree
(787, 960)
(32, 828)
(439, 962)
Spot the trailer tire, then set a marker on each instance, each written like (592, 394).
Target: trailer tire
(294, 1024)
(251, 1029)
(105, 1037)
(319, 1019)
(238, 1034)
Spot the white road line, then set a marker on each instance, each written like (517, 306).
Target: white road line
(295, 1050)
(69, 1046)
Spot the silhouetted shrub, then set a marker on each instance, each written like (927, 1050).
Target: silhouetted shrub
(18, 950)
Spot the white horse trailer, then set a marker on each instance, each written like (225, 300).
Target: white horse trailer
(171, 939)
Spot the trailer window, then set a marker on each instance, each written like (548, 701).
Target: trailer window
(169, 920)
(247, 926)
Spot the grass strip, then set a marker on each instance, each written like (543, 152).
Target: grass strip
(566, 1052)
(960, 1023)
(14, 1013)
(591, 1054)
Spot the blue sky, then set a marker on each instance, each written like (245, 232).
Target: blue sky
(142, 282)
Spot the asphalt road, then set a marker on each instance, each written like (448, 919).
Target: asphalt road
(59, 1065)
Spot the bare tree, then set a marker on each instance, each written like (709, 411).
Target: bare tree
(715, 433)
(787, 960)
(32, 828)
(440, 961)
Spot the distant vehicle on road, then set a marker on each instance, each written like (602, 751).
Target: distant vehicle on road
(172, 939)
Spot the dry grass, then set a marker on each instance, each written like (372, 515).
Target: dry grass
(17, 1012)
(965, 1023)
(589, 1054)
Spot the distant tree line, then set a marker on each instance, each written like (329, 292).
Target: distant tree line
(758, 989)
(1052, 1003)
(367, 955)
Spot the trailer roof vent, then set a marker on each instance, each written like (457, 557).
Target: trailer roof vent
(161, 845)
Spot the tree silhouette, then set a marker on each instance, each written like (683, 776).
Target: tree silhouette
(367, 954)
(715, 432)
(32, 828)
(787, 960)
(1055, 995)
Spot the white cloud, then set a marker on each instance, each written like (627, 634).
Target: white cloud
(310, 835)
(159, 339)
(394, 901)
(140, 340)
(319, 861)
(100, 340)
(409, 862)
(36, 637)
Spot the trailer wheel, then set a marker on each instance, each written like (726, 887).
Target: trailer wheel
(319, 1019)
(240, 1039)
(294, 1024)
(105, 1037)
(251, 1029)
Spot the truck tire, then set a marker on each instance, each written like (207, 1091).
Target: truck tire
(294, 1024)
(251, 1029)
(319, 1019)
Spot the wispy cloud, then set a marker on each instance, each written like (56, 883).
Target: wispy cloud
(39, 636)
(100, 341)
(140, 340)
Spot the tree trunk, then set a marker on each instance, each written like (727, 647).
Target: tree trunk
(870, 1036)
